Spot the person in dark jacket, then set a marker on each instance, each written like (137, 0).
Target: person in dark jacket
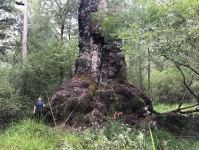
(38, 108)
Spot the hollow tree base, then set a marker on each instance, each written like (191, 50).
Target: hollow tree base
(82, 102)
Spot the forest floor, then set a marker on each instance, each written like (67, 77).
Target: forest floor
(32, 135)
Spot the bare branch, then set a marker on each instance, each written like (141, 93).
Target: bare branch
(180, 64)
(184, 81)
(180, 110)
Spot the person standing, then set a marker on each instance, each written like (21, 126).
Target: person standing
(38, 108)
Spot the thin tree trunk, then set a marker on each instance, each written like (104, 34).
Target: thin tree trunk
(62, 30)
(61, 70)
(69, 30)
(140, 72)
(149, 73)
(70, 62)
(24, 50)
(25, 30)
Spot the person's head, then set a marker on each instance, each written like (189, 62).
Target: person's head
(39, 98)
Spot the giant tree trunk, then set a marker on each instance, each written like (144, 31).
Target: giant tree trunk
(99, 89)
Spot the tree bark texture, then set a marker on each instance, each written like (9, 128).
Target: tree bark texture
(103, 61)
(99, 89)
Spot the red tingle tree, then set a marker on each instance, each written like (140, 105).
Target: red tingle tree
(99, 88)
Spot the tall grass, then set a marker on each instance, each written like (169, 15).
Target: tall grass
(31, 135)
(152, 139)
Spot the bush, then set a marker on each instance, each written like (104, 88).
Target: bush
(9, 102)
(167, 86)
(45, 69)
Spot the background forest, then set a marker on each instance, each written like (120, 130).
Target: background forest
(160, 42)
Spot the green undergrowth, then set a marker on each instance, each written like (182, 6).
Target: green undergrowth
(31, 135)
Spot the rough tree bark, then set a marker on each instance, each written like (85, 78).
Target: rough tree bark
(99, 88)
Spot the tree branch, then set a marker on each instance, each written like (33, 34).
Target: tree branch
(180, 110)
(184, 81)
(19, 3)
(180, 64)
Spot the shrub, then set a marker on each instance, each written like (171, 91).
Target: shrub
(9, 101)
(167, 86)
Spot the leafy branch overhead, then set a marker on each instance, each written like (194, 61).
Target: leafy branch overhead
(169, 29)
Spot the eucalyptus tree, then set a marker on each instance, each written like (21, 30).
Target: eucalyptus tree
(99, 87)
